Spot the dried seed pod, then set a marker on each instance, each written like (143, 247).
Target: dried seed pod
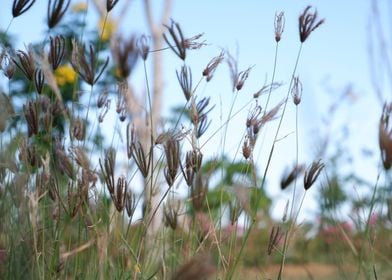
(170, 212)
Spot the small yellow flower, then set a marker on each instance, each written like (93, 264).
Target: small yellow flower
(106, 29)
(79, 7)
(65, 75)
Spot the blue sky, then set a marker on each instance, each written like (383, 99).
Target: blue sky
(335, 56)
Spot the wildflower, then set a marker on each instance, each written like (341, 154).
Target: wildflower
(107, 28)
(208, 72)
(79, 7)
(65, 75)
(21, 6)
(308, 23)
(312, 173)
(56, 10)
(279, 25)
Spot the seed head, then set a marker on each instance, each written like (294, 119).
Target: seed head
(85, 64)
(178, 46)
(56, 10)
(125, 54)
(290, 175)
(308, 22)
(274, 238)
(312, 173)
(21, 6)
(296, 91)
(39, 80)
(279, 25)
(57, 51)
(185, 80)
(7, 65)
(110, 4)
(143, 46)
(26, 63)
(242, 76)
(209, 71)
(385, 137)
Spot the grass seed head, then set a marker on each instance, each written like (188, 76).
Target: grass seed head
(308, 22)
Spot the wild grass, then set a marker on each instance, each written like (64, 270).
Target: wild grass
(79, 202)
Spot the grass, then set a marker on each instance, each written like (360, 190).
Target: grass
(78, 202)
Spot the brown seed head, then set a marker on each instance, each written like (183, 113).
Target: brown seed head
(143, 46)
(170, 212)
(57, 51)
(39, 80)
(242, 76)
(142, 159)
(125, 54)
(120, 193)
(31, 113)
(107, 169)
(8, 66)
(296, 91)
(78, 129)
(130, 203)
(209, 71)
(110, 4)
(26, 63)
(56, 10)
(178, 46)
(279, 25)
(312, 173)
(289, 176)
(308, 22)
(21, 6)
(86, 64)
(185, 80)
(385, 137)
(172, 153)
(274, 238)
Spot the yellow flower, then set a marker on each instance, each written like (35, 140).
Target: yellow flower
(65, 75)
(106, 29)
(79, 7)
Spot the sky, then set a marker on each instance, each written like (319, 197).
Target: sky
(334, 60)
